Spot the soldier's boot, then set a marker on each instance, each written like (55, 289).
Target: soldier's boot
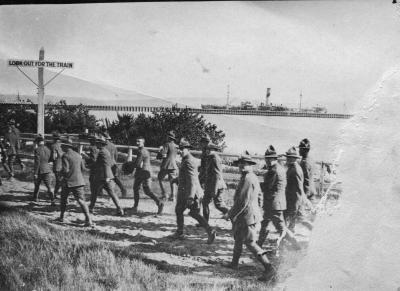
(263, 236)
(160, 207)
(51, 195)
(120, 211)
(211, 235)
(234, 264)
(269, 270)
(173, 188)
(134, 209)
(291, 238)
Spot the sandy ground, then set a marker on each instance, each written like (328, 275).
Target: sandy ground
(149, 234)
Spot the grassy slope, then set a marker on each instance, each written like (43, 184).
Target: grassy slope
(39, 256)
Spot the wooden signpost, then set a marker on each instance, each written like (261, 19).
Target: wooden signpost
(40, 64)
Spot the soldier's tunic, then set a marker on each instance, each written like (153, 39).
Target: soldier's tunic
(114, 167)
(143, 176)
(203, 167)
(41, 168)
(294, 192)
(71, 170)
(308, 172)
(12, 139)
(168, 164)
(56, 157)
(245, 214)
(189, 193)
(104, 178)
(91, 164)
(214, 185)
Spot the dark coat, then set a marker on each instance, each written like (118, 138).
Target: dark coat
(41, 161)
(12, 137)
(203, 167)
(189, 185)
(142, 163)
(168, 153)
(56, 155)
(294, 187)
(72, 167)
(91, 159)
(274, 188)
(247, 201)
(103, 165)
(308, 172)
(112, 149)
(213, 175)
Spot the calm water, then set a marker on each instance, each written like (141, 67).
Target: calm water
(255, 133)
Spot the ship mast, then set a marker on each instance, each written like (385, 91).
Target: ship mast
(301, 96)
(227, 96)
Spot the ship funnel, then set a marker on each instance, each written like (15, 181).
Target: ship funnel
(267, 96)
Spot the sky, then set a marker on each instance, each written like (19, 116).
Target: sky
(330, 51)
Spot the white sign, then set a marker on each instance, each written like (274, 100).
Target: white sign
(40, 64)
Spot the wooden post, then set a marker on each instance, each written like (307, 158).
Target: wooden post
(40, 108)
(130, 154)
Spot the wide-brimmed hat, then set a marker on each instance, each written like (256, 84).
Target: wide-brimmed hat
(292, 152)
(101, 140)
(11, 122)
(171, 134)
(106, 135)
(270, 152)
(184, 144)
(56, 135)
(205, 138)
(213, 147)
(39, 138)
(67, 142)
(305, 144)
(245, 158)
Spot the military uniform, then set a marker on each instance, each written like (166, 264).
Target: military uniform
(294, 192)
(104, 179)
(245, 216)
(143, 177)
(72, 167)
(214, 185)
(168, 166)
(91, 164)
(189, 196)
(12, 140)
(56, 157)
(114, 167)
(274, 205)
(42, 156)
(306, 165)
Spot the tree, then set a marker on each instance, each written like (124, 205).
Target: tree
(153, 128)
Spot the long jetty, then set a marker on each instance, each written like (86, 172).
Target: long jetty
(188, 109)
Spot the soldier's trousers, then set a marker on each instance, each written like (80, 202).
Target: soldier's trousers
(246, 234)
(117, 181)
(218, 202)
(109, 187)
(172, 178)
(46, 179)
(294, 216)
(194, 212)
(10, 163)
(145, 181)
(78, 193)
(58, 176)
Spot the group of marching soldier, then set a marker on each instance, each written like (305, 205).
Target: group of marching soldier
(278, 199)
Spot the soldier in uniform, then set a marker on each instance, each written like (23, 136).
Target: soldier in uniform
(143, 177)
(204, 141)
(245, 216)
(12, 140)
(56, 155)
(306, 164)
(168, 165)
(189, 193)
(295, 196)
(114, 168)
(214, 182)
(73, 181)
(104, 176)
(91, 157)
(41, 169)
(274, 205)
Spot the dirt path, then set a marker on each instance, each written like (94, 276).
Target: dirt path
(149, 235)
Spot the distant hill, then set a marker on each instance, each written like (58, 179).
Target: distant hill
(73, 90)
